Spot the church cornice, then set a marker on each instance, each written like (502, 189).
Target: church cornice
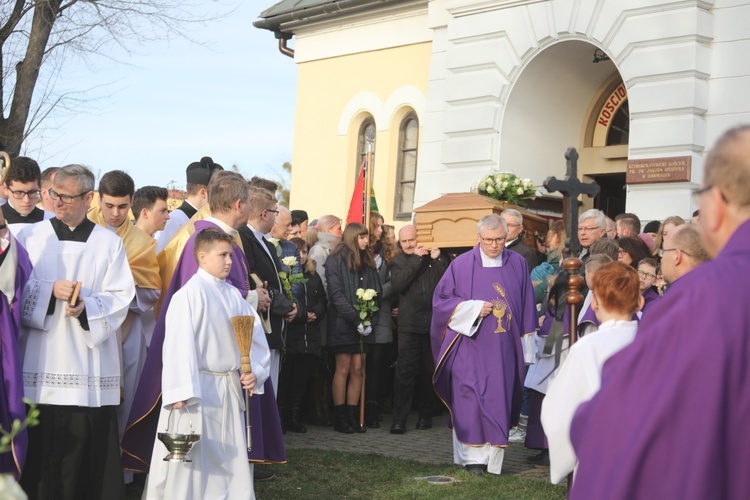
(460, 8)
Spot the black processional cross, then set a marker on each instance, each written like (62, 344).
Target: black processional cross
(571, 188)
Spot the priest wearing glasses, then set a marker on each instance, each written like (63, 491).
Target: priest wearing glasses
(483, 319)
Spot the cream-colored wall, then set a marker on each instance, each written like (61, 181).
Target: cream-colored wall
(334, 96)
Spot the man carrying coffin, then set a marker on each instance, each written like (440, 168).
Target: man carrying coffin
(482, 308)
(677, 427)
(15, 269)
(70, 348)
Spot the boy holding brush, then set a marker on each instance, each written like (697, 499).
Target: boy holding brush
(201, 362)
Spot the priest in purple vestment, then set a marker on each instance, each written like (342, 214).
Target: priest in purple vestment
(482, 308)
(15, 269)
(671, 417)
(138, 441)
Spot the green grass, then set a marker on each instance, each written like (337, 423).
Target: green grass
(313, 473)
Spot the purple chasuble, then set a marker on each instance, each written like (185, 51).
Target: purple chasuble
(16, 268)
(138, 440)
(480, 378)
(648, 297)
(671, 417)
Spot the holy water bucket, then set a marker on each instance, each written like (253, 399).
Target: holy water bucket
(178, 444)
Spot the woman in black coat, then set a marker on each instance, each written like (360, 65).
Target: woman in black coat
(302, 342)
(349, 267)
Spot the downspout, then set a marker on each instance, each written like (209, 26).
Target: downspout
(283, 38)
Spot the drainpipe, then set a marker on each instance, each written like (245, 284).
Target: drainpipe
(283, 38)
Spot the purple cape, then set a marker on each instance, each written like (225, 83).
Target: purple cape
(12, 406)
(138, 440)
(480, 378)
(671, 417)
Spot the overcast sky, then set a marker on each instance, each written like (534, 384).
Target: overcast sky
(174, 102)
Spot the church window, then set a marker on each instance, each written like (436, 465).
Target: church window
(366, 138)
(407, 167)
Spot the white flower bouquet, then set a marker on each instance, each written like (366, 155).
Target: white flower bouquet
(506, 186)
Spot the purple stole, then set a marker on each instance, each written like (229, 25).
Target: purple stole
(480, 378)
(12, 406)
(138, 440)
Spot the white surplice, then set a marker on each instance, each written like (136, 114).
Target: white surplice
(63, 363)
(201, 366)
(576, 382)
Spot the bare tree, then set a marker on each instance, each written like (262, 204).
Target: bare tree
(38, 36)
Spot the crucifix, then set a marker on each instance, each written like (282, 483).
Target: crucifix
(571, 188)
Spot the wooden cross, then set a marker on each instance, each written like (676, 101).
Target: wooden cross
(571, 188)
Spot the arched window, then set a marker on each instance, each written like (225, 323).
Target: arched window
(406, 175)
(365, 138)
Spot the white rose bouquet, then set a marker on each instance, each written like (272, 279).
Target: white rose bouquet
(365, 307)
(506, 186)
(288, 278)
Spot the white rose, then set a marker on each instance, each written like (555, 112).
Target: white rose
(519, 191)
(517, 182)
(504, 185)
(289, 261)
(360, 292)
(490, 189)
(273, 241)
(369, 294)
(482, 185)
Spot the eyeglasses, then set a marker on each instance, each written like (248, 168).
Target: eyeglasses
(587, 229)
(509, 224)
(698, 192)
(493, 241)
(274, 211)
(644, 274)
(65, 198)
(662, 251)
(34, 194)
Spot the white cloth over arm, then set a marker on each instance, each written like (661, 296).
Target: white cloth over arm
(465, 319)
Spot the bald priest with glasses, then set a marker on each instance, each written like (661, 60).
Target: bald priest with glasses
(23, 189)
(483, 319)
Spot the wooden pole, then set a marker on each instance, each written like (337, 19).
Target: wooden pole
(368, 189)
(575, 283)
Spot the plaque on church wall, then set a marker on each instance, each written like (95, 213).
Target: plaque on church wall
(646, 171)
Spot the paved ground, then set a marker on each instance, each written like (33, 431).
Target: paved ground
(431, 446)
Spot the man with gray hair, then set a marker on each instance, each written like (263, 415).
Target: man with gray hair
(482, 309)
(74, 303)
(592, 225)
(514, 220)
(682, 252)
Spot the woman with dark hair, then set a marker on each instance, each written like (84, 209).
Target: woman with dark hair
(632, 250)
(378, 360)
(349, 267)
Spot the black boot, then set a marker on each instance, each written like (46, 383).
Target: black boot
(354, 419)
(372, 416)
(294, 424)
(542, 459)
(341, 420)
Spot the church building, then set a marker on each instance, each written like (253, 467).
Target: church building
(447, 91)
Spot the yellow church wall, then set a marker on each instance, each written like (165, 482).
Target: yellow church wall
(334, 97)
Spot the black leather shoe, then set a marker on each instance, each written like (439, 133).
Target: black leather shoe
(263, 475)
(398, 427)
(424, 423)
(476, 469)
(541, 460)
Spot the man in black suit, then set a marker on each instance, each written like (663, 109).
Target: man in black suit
(263, 260)
(514, 242)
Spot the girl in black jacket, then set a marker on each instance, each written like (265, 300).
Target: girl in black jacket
(349, 267)
(302, 342)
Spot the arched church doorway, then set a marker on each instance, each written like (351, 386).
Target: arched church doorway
(561, 99)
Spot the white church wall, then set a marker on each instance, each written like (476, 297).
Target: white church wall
(663, 51)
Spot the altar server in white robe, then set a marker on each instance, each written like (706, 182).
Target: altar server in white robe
(71, 360)
(615, 299)
(201, 382)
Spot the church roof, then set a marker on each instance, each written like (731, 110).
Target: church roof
(292, 11)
